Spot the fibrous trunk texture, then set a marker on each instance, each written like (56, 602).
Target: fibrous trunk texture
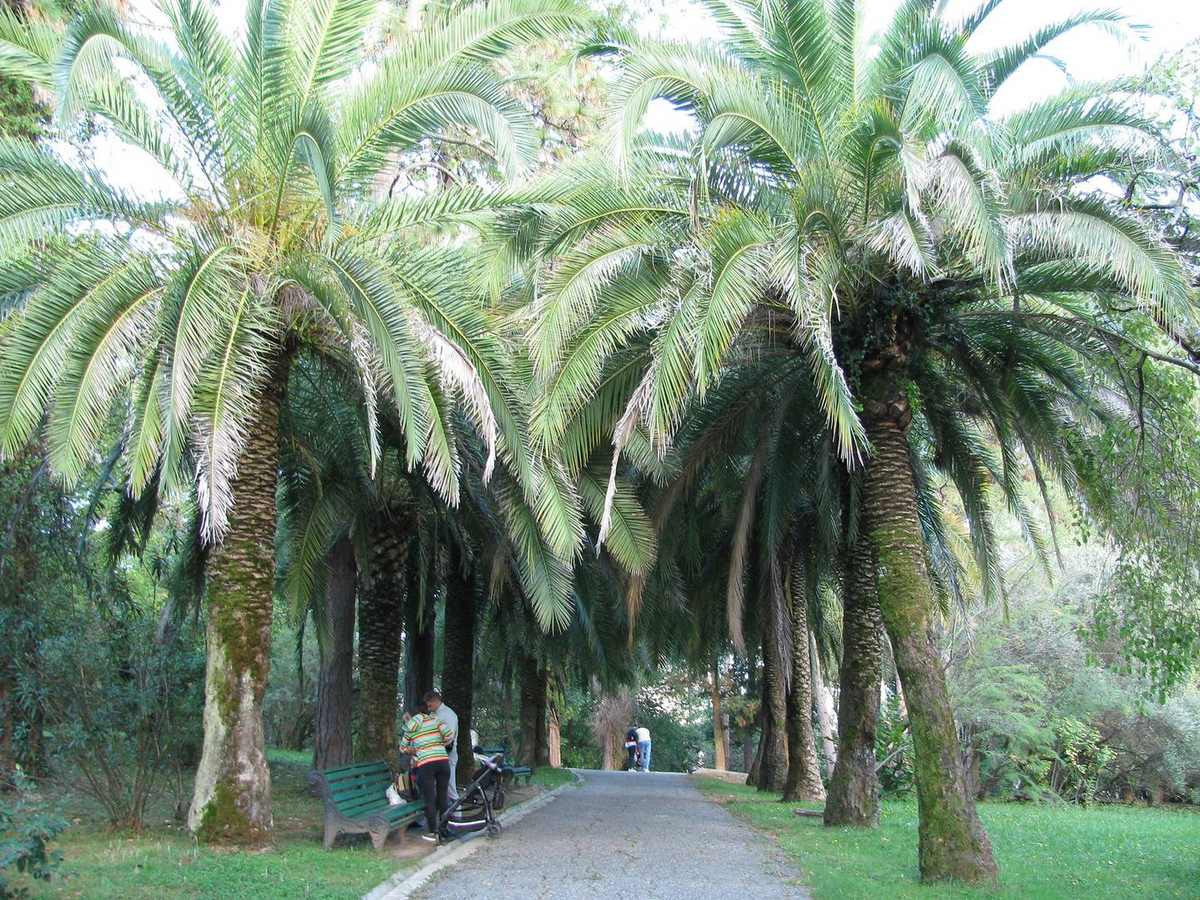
(718, 721)
(854, 788)
(332, 734)
(555, 737)
(231, 800)
(458, 660)
(803, 783)
(380, 622)
(953, 843)
(773, 752)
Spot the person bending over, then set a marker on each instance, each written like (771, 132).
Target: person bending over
(424, 739)
(643, 742)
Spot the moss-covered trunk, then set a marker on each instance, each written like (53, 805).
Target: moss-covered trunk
(380, 623)
(231, 800)
(854, 788)
(803, 782)
(774, 617)
(332, 732)
(953, 843)
(458, 659)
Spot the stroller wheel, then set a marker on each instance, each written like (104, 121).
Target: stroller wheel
(493, 830)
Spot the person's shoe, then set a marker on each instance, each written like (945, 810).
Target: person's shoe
(429, 836)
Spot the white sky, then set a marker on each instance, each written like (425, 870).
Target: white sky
(1089, 55)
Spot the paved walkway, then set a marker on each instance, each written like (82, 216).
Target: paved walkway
(623, 834)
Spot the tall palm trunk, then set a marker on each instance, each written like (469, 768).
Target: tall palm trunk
(803, 782)
(773, 761)
(953, 843)
(231, 800)
(332, 738)
(718, 722)
(458, 660)
(854, 788)
(380, 621)
(531, 681)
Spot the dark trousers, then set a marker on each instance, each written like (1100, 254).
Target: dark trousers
(633, 760)
(433, 779)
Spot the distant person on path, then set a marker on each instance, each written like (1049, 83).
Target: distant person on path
(643, 743)
(631, 747)
(449, 718)
(425, 738)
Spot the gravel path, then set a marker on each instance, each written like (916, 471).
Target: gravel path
(624, 834)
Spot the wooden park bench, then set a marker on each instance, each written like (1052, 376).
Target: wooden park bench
(514, 773)
(355, 800)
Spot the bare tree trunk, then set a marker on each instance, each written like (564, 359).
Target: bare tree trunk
(718, 723)
(231, 801)
(458, 660)
(854, 788)
(530, 704)
(380, 622)
(332, 738)
(541, 752)
(803, 783)
(824, 708)
(419, 648)
(953, 843)
(555, 737)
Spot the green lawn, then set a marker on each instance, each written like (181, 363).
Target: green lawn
(165, 862)
(1043, 852)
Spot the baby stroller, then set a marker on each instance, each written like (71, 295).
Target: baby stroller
(478, 802)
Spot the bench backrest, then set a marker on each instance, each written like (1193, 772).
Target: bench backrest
(359, 789)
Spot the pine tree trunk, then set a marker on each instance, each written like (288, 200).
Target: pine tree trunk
(231, 800)
(458, 660)
(332, 733)
(380, 622)
(530, 681)
(854, 788)
(953, 843)
(803, 783)
(773, 752)
(541, 753)
(718, 722)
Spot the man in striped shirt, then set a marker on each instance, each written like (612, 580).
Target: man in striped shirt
(425, 738)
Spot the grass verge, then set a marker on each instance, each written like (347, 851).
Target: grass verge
(1044, 852)
(165, 862)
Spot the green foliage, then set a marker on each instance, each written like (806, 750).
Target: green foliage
(28, 825)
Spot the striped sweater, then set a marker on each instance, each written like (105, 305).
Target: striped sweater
(428, 736)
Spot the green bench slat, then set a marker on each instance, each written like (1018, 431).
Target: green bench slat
(362, 807)
(360, 780)
(367, 790)
(412, 809)
(357, 768)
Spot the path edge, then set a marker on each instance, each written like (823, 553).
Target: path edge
(402, 885)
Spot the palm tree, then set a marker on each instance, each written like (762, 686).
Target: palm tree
(908, 243)
(271, 240)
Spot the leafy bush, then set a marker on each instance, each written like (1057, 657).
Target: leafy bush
(27, 827)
